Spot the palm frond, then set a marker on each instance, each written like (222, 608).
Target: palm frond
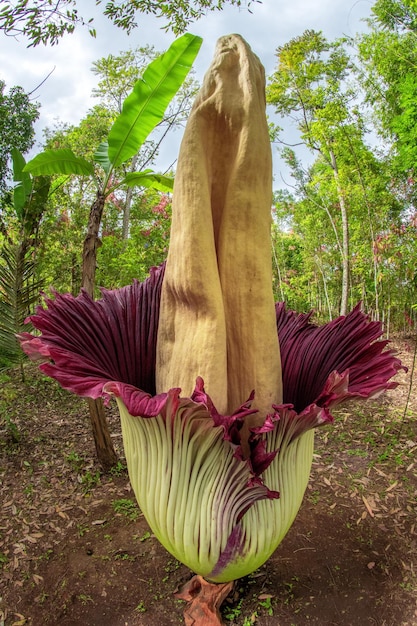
(19, 291)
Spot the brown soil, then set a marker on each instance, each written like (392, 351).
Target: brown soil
(76, 551)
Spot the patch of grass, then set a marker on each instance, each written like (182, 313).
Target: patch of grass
(4, 377)
(126, 507)
(42, 598)
(171, 566)
(7, 400)
(124, 556)
(82, 530)
(28, 467)
(266, 605)
(28, 490)
(11, 428)
(89, 480)
(84, 599)
(46, 555)
(233, 613)
(314, 497)
(75, 461)
(119, 469)
(357, 452)
(146, 535)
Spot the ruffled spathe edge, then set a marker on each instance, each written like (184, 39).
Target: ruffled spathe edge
(143, 405)
(317, 360)
(108, 346)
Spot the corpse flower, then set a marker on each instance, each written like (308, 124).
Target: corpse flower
(218, 438)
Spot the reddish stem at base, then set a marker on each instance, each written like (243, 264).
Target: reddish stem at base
(204, 601)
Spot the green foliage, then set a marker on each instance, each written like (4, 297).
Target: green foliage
(43, 23)
(120, 261)
(404, 124)
(18, 293)
(23, 188)
(149, 179)
(62, 161)
(17, 117)
(126, 507)
(89, 480)
(292, 276)
(118, 73)
(144, 108)
(310, 85)
(19, 287)
(11, 427)
(350, 201)
(388, 54)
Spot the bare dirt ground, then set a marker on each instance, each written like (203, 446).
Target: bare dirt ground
(76, 551)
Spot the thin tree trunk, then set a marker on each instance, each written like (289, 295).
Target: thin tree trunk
(345, 237)
(106, 453)
(128, 202)
(326, 294)
(91, 244)
(278, 271)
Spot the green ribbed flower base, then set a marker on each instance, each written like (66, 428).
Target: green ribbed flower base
(195, 494)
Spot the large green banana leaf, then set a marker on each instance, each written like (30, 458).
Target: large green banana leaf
(101, 156)
(23, 188)
(62, 161)
(148, 178)
(144, 108)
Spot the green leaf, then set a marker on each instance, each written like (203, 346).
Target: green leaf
(147, 178)
(24, 187)
(62, 161)
(144, 108)
(19, 292)
(101, 156)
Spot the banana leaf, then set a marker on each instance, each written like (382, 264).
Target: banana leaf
(144, 108)
(101, 156)
(23, 189)
(148, 178)
(62, 161)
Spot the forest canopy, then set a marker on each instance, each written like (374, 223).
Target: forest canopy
(44, 22)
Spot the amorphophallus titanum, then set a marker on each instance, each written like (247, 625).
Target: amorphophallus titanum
(219, 450)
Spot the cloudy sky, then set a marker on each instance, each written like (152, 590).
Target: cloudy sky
(66, 94)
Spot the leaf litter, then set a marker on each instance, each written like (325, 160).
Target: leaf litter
(67, 557)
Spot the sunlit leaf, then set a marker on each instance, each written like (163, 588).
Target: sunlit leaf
(62, 161)
(24, 182)
(101, 156)
(144, 108)
(147, 178)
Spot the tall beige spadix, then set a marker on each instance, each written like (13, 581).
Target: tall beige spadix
(217, 317)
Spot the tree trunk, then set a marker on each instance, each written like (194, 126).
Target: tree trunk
(326, 293)
(91, 244)
(106, 453)
(345, 237)
(128, 203)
